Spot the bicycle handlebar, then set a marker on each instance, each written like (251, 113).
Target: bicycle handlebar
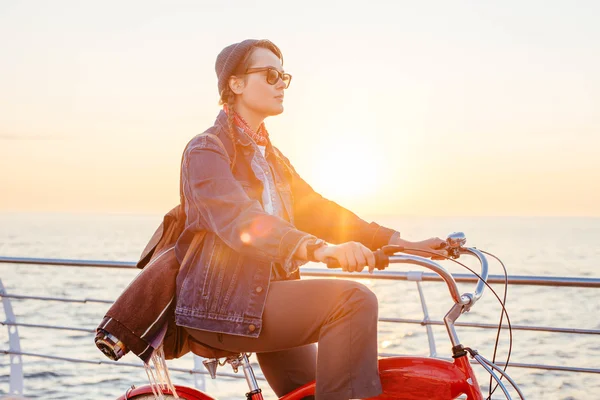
(455, 242)
(483, 272)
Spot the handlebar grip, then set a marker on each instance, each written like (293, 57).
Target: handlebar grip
(381, 260)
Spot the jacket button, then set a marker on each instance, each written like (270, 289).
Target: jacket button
(251, 328)
(259, 289)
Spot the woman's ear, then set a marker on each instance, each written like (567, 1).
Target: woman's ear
(236, 85)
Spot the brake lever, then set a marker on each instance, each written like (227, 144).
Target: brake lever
(454, 242)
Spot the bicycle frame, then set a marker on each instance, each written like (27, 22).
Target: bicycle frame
(417, 378)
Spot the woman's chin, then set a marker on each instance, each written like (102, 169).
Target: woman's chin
(278, 110)
(271, 111)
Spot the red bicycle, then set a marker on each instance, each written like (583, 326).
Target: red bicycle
(404, 377)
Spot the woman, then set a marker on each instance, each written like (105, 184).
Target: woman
(239, 289)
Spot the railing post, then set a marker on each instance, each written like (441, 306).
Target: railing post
(16, 361)
(199, 381)
(417, 276)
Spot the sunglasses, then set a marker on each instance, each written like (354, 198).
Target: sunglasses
(273, 75)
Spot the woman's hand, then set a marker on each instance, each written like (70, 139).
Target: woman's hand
(424, 248)
(352, 256)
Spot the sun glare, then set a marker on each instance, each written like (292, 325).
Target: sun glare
(348, 170)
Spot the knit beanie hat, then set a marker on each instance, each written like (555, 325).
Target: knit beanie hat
(228, 59)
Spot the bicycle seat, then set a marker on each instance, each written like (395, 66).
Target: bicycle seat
(206, 351)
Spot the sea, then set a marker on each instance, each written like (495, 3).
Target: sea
(540, 246)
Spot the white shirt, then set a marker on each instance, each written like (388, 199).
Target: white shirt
(268, 204)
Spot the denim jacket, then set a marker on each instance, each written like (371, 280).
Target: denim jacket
(223, 283)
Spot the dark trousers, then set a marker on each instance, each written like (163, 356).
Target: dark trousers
(340, 315)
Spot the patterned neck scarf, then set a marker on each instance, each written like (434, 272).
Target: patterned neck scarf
(260, 137)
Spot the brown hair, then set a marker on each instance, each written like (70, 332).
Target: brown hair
(227, 95)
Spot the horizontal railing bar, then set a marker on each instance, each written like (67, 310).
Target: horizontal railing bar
(63, 262)
(63, 299)
(392, 275)
(231, 375)
(382, 319)
(551, 367)
(464, 278)
(57, 327)
(98, 362)
(558, 368)
(495, 326)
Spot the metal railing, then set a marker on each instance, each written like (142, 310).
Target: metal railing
(15, 353)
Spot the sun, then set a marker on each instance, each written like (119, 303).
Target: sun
(348, 171)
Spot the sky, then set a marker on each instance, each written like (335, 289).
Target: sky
(395, 107)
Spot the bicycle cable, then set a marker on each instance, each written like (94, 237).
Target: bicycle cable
(503, 312)
(491, 391)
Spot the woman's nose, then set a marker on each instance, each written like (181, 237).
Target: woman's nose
(280, 84)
